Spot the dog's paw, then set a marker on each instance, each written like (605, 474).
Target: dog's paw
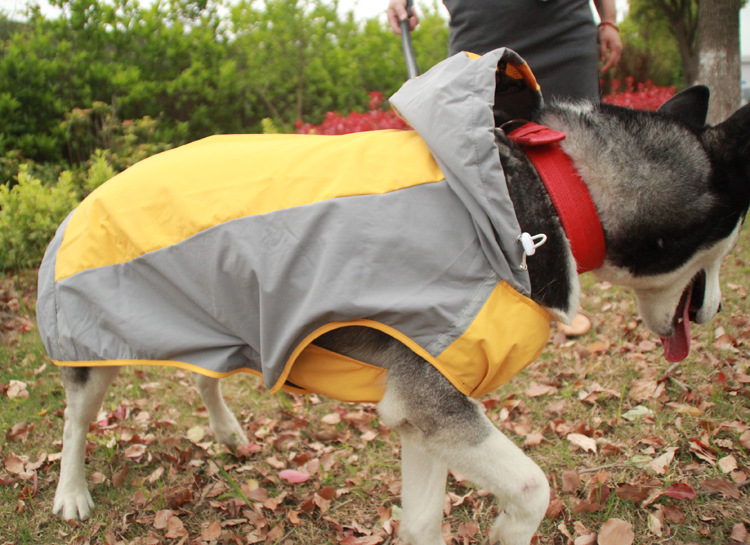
(507, 531)
(232, 435)
(73, 504)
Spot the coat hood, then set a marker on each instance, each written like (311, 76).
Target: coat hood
(453, 107)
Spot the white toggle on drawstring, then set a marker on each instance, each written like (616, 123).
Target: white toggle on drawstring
(530, 244)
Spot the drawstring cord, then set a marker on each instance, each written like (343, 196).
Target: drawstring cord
(530, 244)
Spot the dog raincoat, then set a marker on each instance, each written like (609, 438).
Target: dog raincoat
(234, 253)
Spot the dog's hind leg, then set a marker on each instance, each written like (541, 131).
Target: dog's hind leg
(445, 428)
(223, 423)
(84, 391)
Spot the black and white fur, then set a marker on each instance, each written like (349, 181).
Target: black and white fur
(672, 195)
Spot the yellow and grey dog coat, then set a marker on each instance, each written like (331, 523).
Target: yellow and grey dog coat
(234, 253)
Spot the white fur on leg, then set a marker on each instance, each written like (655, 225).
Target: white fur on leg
(519, 485)
(460, 436)
(422, 494)
(72, 498)
(224, 424)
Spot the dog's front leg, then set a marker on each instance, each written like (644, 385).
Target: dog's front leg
(223, 423)
(84, 392)
(442, 428)
(520, 486)
(423, 480)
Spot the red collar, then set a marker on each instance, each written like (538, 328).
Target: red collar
(568, 193)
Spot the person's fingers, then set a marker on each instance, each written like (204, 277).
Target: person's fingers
(610, 48)
(396, 12)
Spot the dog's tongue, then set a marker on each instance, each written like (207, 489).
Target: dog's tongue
(677, 347)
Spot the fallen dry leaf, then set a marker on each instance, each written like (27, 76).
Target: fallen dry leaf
(534, 439)
(331, 419)
(275, 462)
(536, 390)
(702, 451)
(642, 389)
(120, 476)
(162, 518)
(14, 464)
(637, 412)
(155, 475)
(293, 476)
(571, 479)
(583, 442)
(659, 465)
(721, 486)
(588, 539)
(582, 506)
(135, 451)
(468, 530)
(680, 491)
(656, 523)
(683, 408)
(739, 477)
(175, 528)
(672, 514)
(196, 434)
(616, 532)
(19, 432)
(17, 389)
(728, 464)
(598, 347)
(739, 533)
(631, 492)
(213, 532)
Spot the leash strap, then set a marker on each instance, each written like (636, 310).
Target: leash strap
(569, 194)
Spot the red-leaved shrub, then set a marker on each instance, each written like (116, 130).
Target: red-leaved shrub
(372, 120)
(642, 96)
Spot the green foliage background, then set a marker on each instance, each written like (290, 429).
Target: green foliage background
(651, 51)
(196, 67)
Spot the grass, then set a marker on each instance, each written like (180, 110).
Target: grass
(145, 470)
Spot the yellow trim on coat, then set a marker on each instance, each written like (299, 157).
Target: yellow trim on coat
(516, 71)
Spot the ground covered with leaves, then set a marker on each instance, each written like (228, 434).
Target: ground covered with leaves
(636, 450)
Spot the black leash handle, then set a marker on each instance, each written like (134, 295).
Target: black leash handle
(411, 61)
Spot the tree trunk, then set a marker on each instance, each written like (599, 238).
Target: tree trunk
(683, 16)
(686, 47)
(718, 53)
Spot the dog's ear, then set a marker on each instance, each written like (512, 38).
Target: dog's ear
(738, 123)
(689, 106)
(728, 144)
(730, 139)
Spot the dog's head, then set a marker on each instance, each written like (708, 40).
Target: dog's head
(672, 194)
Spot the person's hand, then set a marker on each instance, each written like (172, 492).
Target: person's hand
(610, 46)
(397, 13)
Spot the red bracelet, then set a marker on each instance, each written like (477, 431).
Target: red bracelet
(607, 23)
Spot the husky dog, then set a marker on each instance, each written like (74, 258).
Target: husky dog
(671, 194)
